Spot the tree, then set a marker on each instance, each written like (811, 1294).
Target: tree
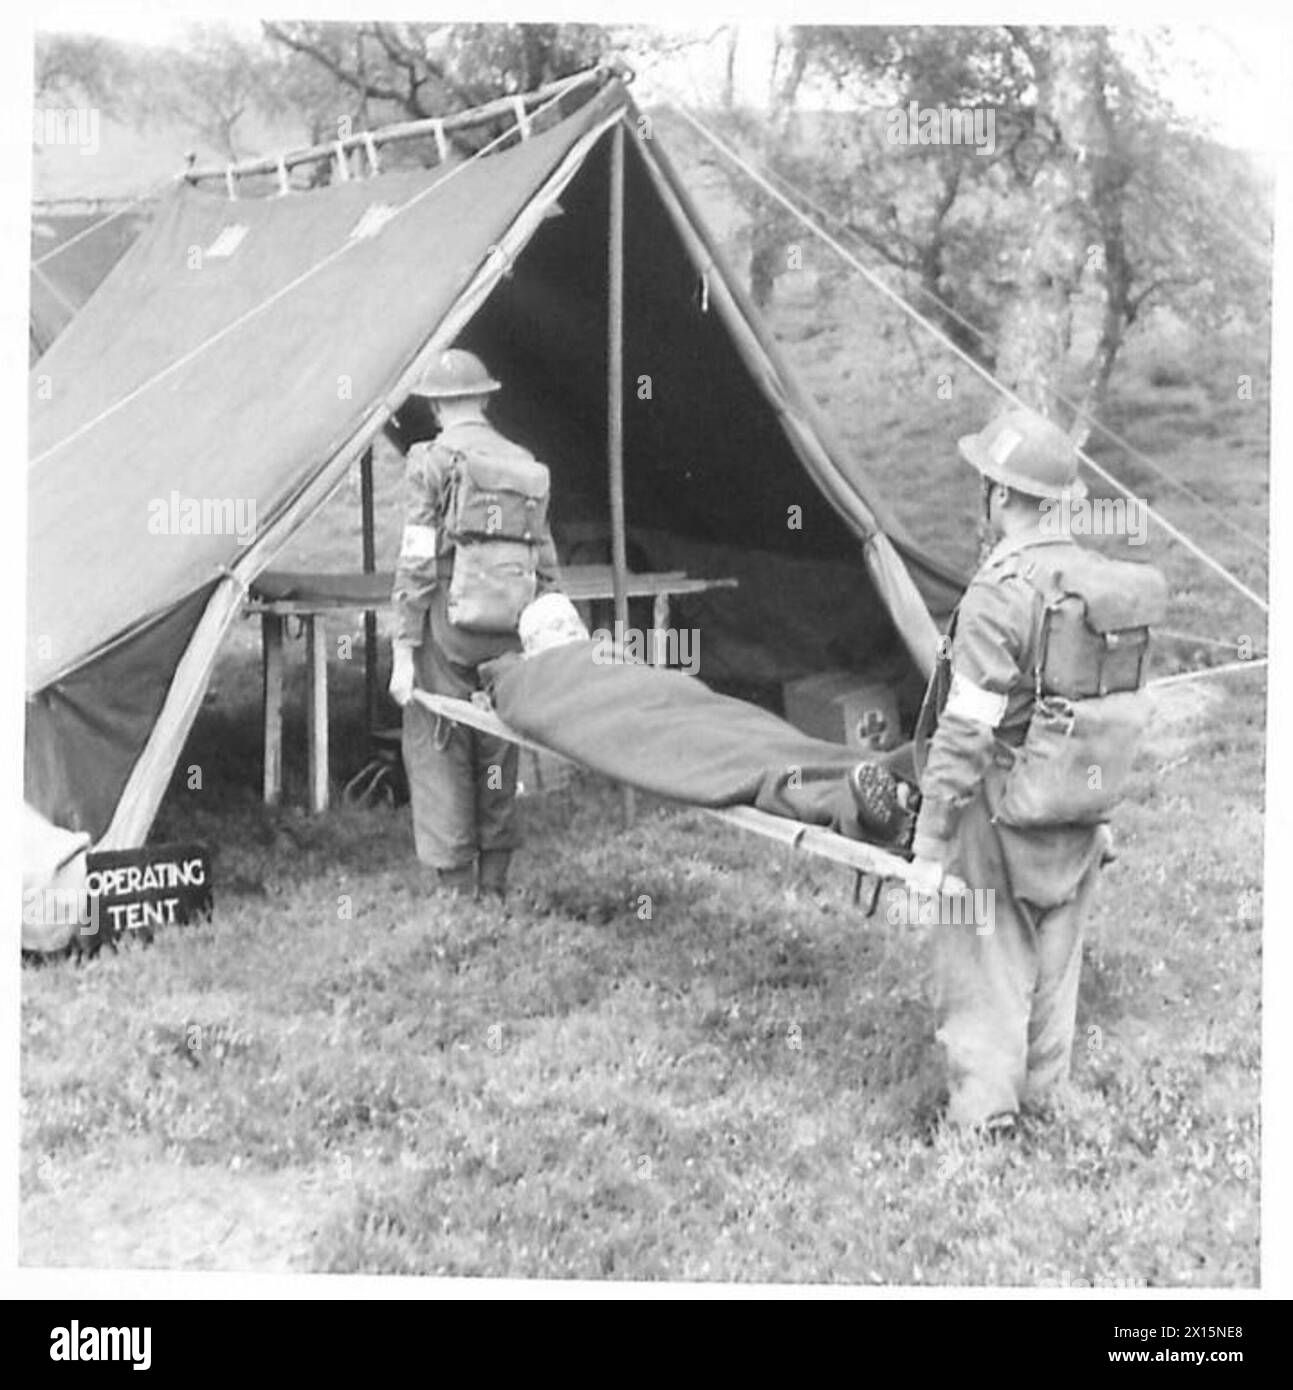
(413, 71)
(1175, 219)
(1094, 185)
(83, 68)
(212, 84)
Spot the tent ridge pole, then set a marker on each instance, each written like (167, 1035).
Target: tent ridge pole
(438, 126)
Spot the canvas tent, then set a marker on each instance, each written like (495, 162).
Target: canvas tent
(248, 349)
(71, 254)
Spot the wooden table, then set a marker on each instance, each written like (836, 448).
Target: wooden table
(278, 600)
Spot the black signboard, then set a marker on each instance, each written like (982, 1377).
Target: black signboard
(135, 891)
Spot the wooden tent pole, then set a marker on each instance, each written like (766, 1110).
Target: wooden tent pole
(615, 399)
(369, 540)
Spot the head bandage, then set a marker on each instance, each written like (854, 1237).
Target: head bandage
(550, 621)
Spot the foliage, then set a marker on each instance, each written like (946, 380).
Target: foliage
(1094, 187)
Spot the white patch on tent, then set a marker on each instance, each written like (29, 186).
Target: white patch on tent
(375, 217)
(228, 241)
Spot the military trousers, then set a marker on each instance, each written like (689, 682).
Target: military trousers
(462, 783)
(1006, 991)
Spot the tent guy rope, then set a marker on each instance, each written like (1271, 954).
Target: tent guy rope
(736, 158)
(1182, 677)
(1107, 430)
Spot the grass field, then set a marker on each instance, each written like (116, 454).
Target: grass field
(679, 1055)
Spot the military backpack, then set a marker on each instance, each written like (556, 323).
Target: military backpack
(494, 518)
(1090, 708)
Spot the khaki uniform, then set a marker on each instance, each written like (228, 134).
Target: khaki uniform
(462, 784)
(1005, 997)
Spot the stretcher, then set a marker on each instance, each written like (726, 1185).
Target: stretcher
(868, 862)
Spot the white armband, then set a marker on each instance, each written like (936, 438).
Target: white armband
(419, 543)
(973, 702)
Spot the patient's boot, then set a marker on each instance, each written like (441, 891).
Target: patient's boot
(493, 872)
(460, 881)
(875, 795)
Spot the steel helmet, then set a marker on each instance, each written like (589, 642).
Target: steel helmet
(456, 372)
(1023, 450)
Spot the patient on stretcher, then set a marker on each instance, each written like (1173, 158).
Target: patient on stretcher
(667, 733)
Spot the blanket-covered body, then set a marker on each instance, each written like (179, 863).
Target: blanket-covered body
(667, 733)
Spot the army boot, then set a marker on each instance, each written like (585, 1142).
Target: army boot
(461, 881)
(493, 872)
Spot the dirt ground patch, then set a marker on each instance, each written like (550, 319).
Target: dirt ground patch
(138, 1213)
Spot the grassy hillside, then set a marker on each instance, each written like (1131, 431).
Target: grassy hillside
(739, 1086)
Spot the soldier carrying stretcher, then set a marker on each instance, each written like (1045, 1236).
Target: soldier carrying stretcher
(476, 550)
(1039, 714)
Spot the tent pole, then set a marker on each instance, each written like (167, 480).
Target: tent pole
(370, 618)
(615, 400)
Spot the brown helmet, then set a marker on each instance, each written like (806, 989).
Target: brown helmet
(456, 372)
(1025, 451)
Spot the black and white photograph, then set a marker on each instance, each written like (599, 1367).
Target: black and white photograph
(645, 645)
